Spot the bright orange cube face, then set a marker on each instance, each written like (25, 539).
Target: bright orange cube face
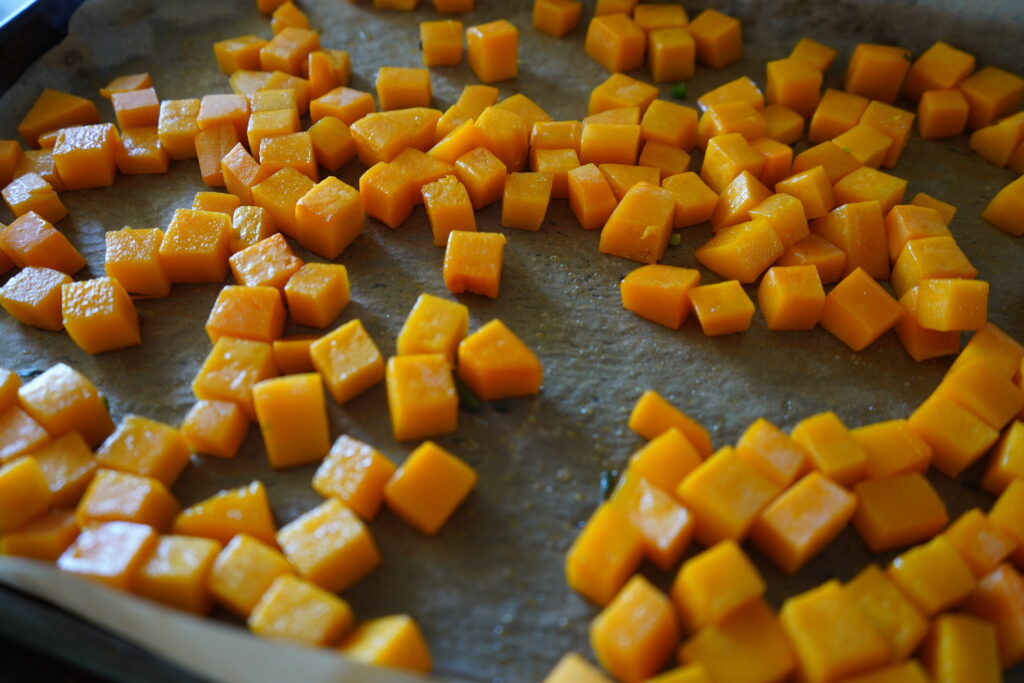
(301, 612)
(126, 83)
(288, 49)
(942, 114)
(428, 487)
(719, 38)
(659, 293)
(399, 87)
(794, 83)
(421, 396)
(877, 71)
(652, 415)
(243, 571)
(133, 259)
(63, 400)
(615, 42)
(449, 208)
(472, 262)
(345, 104)
(526, 198)
(68, 466)
(294, 150)
(556, 17)
(636, 633)
(831, 448)
(30, 240)
(317, 293)
(1006, 515)
(44, 538)
(26, 493)
(111, 553)
(836, 113)
(640, 226)
(934, 575)
(695, 201)
(892, 448)
(269, 124)
(858, 311)
(329, 546)
(31, 192)
(999, 599)
(952, 304)
(964, 647)
(620, 91)
(222, 516)
(715, 584)
(279, 193)
(493, 50)
(85, 156)
(666, 526)
(175, 574)
(940, 67)
(332, 143)
(442, 42)
(246, 313)
(195, 246)
(803, 520)
(356, 473)
(992, 93)
(216, 201)
(238, 53)
(19, 434)
(215, 428)
(136, 108)
(1003, 211)
(99, 315)
(726, 493)
(770, 449)
(830, 635)
(386, 192)
(922, 344)
(121, 497)
(978, 386)
(32, 297)
(434, 325)
(671, 54)
(267, 263)
(231, 370)
(292, 415)
(891, 613)
(956, 435)
(722, 308)
(348, 360)
(929, 258)
(497, 364)
(980, 542)
(818, 54)
(604, 555)
(177, 127)
(726, 157)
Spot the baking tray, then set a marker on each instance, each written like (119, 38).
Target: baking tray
(489, 590)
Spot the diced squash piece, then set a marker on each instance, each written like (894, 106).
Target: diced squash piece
(590, 196)
(267, 263)
(665, 460)
(99, 315)
(292, 415)
(558, 163)
(279, 193)
(332, 143)
(177, 127)
(891, 613)
(434, 325)
(238, 53)
(30, 240)
(933, 575)
(19, 434)
(132, 258)
(32, 297)
(942, 114)
(526, 199)
(10, 382)
(818, 54)
(126, 83)
(348, 360)
(215, 428)
(246, 313)
(492, 50)
(956, 435)
(63, 400)
(652, 415)
(286, 15)
(636, 633)
(615, 42)
(831, 448)
(979, 541)
(836, 113)
(292, 354)
(722, 308)
(300, 611)
(978, 386)
(785, 214)
(726, 118)
(659, 293)
(622, 177)
(195, 246)
(772, 451)
(386, 193)
(329, 217)
(556, 135)
(292, 150)
(145, 447)
(26, 493)
(428, 487)
(110, 553)
(270, 124)
(356, 473)
(556, 17)
(741, 252)
(992, 93)
(784, 124)
(669, 123)
(929, 258)
(867, 145)
(243, 510)
(892, 121)
(317, 293)
(641, 224)
(472, 262)
(420, 169)
(813, 188)
(243, 571)
(892, 448)
(695, 201)
(241, 173)
(743, 193)
(44, 538)
(997, 142)
(999, 599)
(865, 184)
(441, 42)
(421, 396)
(715, 584)
(909, 222)
(940, 67)
(1004, 209)
(54, 110)
(1007, 460)
(831, 635)
(175, 573)
(666, 526)
(604, 555)
(858, 311)
(897, 511)
(394, 641)
(483, 174)
(836, 161)
(496, 364)
(778, 160)
(726, 157)
(877, 71)
(345, 104)
(620, 91)
(922, 344)
(231, 370)
(31, 192)
(121, 497)
(609, 143)
(68, 466)
(671, 54)
(794, 83)
(719, 38)
(859, 230)
(964, 648)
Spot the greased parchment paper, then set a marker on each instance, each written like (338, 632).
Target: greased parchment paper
(489, 589)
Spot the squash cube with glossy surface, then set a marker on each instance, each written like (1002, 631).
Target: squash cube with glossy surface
(393, 641)
(636, 633)
(348, 360)
(496, 364)
(722, 308)
(492, 50)
(99, 315)
(215, 428)
(228, 513)
(292, 416)
(317, 293)
(32, 297)
(25, 493)
(145, 447)
(110, 553)
(300, 611)
(231, 370)
(121, 497)
(421, 396)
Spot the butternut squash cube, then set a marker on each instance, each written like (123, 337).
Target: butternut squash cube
(44, 538)
(907, 222)
(246, 313)
(836, 113)
(526, 200)
(329, 217)
(999, 599)
(831, 635)
(146, 448)
(394, 641)
(32, 297)
(226, 514)
(837, 162)
(784, 124)
(288, 50)
(54, 110)
(794, 83)
(960, 647)
(573, 668)
(26, 493)
(332, 143)
(1007, 460)
(267, 263)
(448, 208)
(428, 487)
(615, 42)
(345, 104)
(715, 584)
(442, 42)
(891, 613)
(719, 38)
(279, 193)
(472, 262)
(942, 114)
(722, 308)
(386, 193)
(831, 448)
(865, 184)
(669, 123)
(63, 400)
(356, 473)
(813, 188)
(665, 525)
(31, 192)
(590, 196)
(671, 54)
(556, 17)
(897, 511)
(421, 396)
(10, 156)
(293, 419)
(242, 573)
(622, 116)
(434, 325)
(636, 633)
(10, 382)
(216, 201)
(133, 259)
(99, 315)
(978, 386)
(858, 311)
(818, 54)
(992, 93)
(31, 240)
(877, 71)
(859, 230)
(659, 293)
(741, 252)
(301, 612)
(492, 50)
(622, 177)
(726, 157)
(269, 124)
(287, 15)
(317, 293)
(1004, 209)
(695, 201)
(933, 575)
(979, 541)
(619, 91)
(558, 163)
(652, 415)
(231, 369)
(348, 360)
(461, 140)
(110, 553)
(175, 574)
(122, 497)
(292, 150)
(731, 117)
(241, 173)
(19, 434)
(791, 297)
(177, 126)
(940, 67)
(726, 493)
(1006, 515)
(68, 466)
(604, 555)
(496, 364)
(894, 122)
(238, 53)
(892, 449)
(215, 428)
(742, 89)
(929, 258)
(195, 246)
(922, 344)
(957, 436)
(770, 449)
(640, 225)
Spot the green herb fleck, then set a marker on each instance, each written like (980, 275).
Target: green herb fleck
(608, 480)
(676, 239)
(847, 150)
(503, 405)
(906, 56)
(106, 403)
(679, 90)
(467, 399)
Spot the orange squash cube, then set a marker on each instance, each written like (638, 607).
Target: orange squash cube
(877, 71)
(279, 193)
(866, 184)
(44, 538)
(929, 258)
(858, 229)
(241, 173)
(639, 227)
(420, 169)
(1004, 209)
(604, 555)
(622, 116)
(650, 17)
(270, 124)
(329, 217)
(428, 487)
(442, 42)
(992, 93)
(10, 382)
(99, 315)
(386, 192)
(742, 89)
(615, 42)
(831, 635)
(892, 121)
(246, 313)
(292, 150)
(891, 613)
(356, 474)
(526, 199)
(30, 192)
(556, 135)
(54, 110)
(472, 262)
(978, 386)
(317, 293)
(110, 553)
(948, 304)
(999, 599)
(933, 575)
(10, 157)
(195, 246)
(784, 213)
(671, 54)
(460, 141)
(421, 396)
(636, 633)
(722, 308)
(215, 428)
(175, 573)
(778, 160)
(897, 511)
(177, 126)
(669, 123)
(556, 17)
(301, 612)
(695, 201)
(32, 297)
(652, 416)
(940, 67)
(784, 124)
(922, 344)
(818, 54)
(659, 293)
(496, 364)
(292, 354)
(726, 493)
(726, 157)
(332, 143)
(393, 641)
(813, 188)
(348, 360)
(942, 114)
(830, 448)
(794, 83)
(735, 201)
(238, 53)
(956, 435)
(345, 104)
(506, 134)
(907, 222)
(770, 449)
(741, 252)
(63, 400)
(714, 584)
(791, 297)
(960, 647)
(122, 497)
(558, 163)
(892, 449)
(609, 143)
(293, 402)
(231, 369)
(267, 263)
(858, 311)
(867, 145)
(288, 50)
(146, 448)
(665, 525)
(434, 325)
(19, 434)
(400, 87)
(590, 196)
(620, 91)
(492, 50)
(836, 113)
(216, 201)
(1007, 460)
(68, 466)
(243, 571)
(979, 541)
(719, 38)
(1006, 515)
(448, 208)
(30, 240)
(285, 15)
(731, 117)
(573, 668)
(222, 516)
(26, 493)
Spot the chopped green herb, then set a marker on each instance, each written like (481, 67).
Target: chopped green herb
(679, 90)
(847, 150)
(467, 399)
(608, 480)
(675, 240)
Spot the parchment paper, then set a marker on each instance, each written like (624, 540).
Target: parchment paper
(489, 589)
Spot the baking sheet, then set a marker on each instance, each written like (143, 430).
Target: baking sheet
(489, 590)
